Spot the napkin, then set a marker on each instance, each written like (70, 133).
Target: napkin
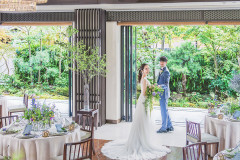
(53, 129)
(58, 120)
(236, 114)
(10, 127)
(66, 122)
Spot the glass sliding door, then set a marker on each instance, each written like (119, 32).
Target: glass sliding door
(128, 72)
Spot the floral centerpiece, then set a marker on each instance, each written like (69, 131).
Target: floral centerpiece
(153, 91)
(39, 113)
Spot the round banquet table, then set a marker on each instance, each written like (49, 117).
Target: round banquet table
(37, 148)
(3, 102)
(217, 156)
(227, 131)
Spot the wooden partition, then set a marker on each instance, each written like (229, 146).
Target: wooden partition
(91, 24)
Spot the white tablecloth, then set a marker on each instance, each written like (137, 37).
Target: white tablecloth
(37, 148)
(3, 102)
(228, 132)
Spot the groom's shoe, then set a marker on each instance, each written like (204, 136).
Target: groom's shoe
(170, 129)
(162, 131)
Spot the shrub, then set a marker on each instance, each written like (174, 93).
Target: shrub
(64, 91)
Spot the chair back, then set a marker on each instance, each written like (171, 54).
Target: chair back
(0, 110)
(87, 123)
(25, 100)
(193, 131)
(5, 121)
(78, 150)
(197, 151)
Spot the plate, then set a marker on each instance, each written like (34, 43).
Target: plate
(213, 116)
(8, 132)
(58, 134)
(234, 120)
(26, 137)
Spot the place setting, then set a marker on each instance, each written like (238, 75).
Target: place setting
(229, 154)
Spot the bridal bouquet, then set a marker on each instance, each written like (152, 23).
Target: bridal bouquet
(153, 91)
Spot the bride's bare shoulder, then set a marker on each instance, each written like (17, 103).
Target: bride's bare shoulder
(144, 80)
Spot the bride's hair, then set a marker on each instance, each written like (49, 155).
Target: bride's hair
(140, 71)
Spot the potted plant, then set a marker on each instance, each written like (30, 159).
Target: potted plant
(87, 62)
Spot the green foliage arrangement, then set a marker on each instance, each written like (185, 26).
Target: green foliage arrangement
(152, 92)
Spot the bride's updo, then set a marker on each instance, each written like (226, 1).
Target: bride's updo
(140, 71)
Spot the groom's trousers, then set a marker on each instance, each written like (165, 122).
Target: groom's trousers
(166, 120)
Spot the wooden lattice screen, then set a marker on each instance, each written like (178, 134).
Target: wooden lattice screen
(91, 24)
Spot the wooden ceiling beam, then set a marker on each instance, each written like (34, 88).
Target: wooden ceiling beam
(160, 23)
(77, 2)
(36, 23)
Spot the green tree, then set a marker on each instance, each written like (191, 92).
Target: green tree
(184, 61)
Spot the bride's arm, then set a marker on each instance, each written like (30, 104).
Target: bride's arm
(144, 87)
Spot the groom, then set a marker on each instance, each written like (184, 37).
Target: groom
(163, 81)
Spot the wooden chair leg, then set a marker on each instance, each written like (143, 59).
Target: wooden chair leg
(187, 142)
(94, 153)
(217, 145)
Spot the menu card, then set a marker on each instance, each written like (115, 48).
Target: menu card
(27, 130)
(59, 127)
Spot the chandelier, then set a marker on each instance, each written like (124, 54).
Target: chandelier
(20, 5)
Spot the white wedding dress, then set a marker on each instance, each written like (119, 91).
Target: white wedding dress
(141, 143)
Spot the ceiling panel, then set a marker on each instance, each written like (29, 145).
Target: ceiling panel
(76, 2)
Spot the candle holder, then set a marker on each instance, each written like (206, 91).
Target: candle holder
(220, 116)
(71, 127)
(45, 133)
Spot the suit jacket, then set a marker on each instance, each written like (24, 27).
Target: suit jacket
(163, 81)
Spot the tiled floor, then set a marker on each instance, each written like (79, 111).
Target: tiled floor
(176, 138)
(176, 152)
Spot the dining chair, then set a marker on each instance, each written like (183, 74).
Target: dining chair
(4, 121)
(196, 151)
(194, 135)
(77, 151)
(87, 128)
(0, 110)
(19, 108)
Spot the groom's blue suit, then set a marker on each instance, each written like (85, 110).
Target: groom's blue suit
(163, 81)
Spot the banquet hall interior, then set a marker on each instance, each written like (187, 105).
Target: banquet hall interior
(69, 76)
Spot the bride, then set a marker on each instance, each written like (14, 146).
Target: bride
(141, 144)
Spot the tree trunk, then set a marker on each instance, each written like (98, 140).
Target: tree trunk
(39, 76)
(39, 71)
(60, 67)
(163, 42)
(215, 71)
(60, 61)
(29, 52)
(184, 81)
(239, 60)
(5, 60)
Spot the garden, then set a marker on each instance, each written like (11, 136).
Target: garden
(38, 60)
(204, 62)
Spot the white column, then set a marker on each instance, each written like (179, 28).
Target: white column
(113, 80)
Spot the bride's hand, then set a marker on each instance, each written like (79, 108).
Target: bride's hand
(159, 86)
